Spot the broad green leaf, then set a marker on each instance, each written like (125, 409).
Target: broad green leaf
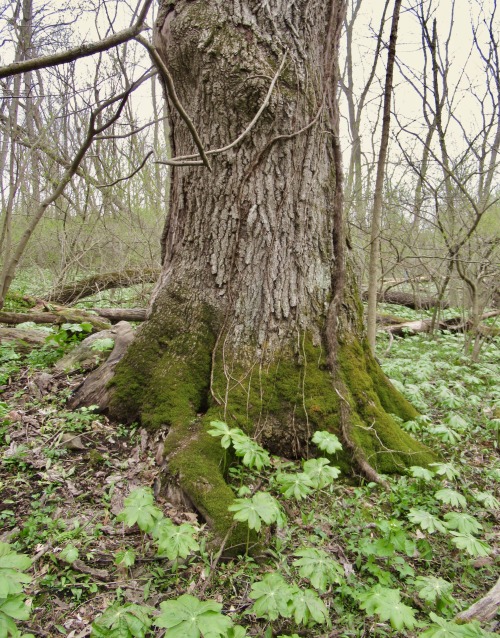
(464, 523)
(386, 603)
(189, 617)
(434, 590)
(451, 497)
(12, 564)
(488, 500)
(139, 508)
(227, 434)
(471, 545)
(122, 621)
(319, 568)
(320, 472)
(272, 596)
(307, 605)
(376, 596)
(445, 433)
(447, 398)
(8, 627)
(262, 507)
(298, 485)
(427, 521)
(457, 422)
(446, 469)
(448, 629)
(251, 453)
(176, 541)
(421, 472)
(125, 558)
(15, 607)
(10, 559)
(69, 554)
(326, 441)
(101, 345)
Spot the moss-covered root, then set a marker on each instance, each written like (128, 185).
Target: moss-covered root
(373, 400)
(164, 379)
(196, 462)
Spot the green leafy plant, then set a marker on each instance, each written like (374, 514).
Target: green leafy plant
(451, 497)
(298, 485)
(435, 591)
(470, 544)
(12, 581)
(446, 469)
(260, 508)
(125, 558)
(421, 472)
(463, 523)
(103, 345)
(69, 554)
(175, 541)
(307, 606)
(251, 453)
(320, 472)
(122, 621)
(449, 629)
(140, 508)
(189, 617)
(427, 521)
(318, 567)
(386, 603)
(69, 334)
(272, 596)
(488, 500)
(326, 441)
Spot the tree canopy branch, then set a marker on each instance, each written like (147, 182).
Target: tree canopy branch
(83, 51)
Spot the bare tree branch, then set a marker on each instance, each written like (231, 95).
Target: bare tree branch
(82, 51)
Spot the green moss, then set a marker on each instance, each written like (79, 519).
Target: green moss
(165, 378)
(165, 373)
(197, 461)
(283, 402)
(386, 446)
(391, 400)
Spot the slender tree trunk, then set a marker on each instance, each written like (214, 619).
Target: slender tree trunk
(373, 268)
(255, 319)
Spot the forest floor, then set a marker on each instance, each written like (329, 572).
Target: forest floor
(352, 559)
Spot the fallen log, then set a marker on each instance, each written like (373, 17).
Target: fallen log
(408, 299)
(24, 339)
(73, 292)
(485, 609)
(59, 317)
(100, 320)
(121, 314)
(455, 324)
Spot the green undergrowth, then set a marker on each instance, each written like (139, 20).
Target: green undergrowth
(335, 557)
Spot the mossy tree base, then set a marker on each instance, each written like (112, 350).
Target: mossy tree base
(177, 374)
(254, 261)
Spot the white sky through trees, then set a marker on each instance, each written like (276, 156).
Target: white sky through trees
(95, 18)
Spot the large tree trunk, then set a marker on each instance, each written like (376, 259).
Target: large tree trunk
(249, 321)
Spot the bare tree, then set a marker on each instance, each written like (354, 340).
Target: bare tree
(373, 268)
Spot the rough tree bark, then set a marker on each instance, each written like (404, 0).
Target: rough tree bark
(255, 319)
